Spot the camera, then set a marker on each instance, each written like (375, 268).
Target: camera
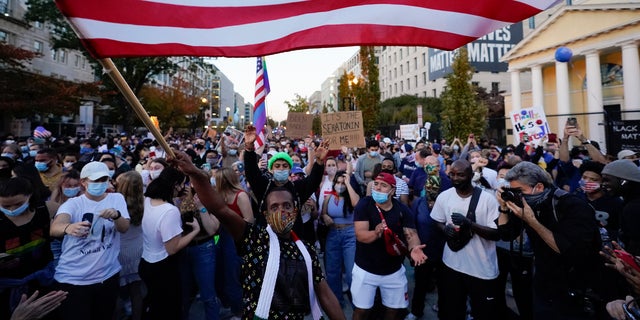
(512, 195)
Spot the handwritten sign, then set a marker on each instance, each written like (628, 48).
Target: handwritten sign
(343, 129)
(299, 124)
(529, 124)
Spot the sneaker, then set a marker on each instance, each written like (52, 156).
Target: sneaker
(411, 316)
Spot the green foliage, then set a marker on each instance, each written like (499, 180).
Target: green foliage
(367, 91)
(298, 104)
(463, 112)
(402, 110)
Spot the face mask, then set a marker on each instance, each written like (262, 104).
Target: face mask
(281, 222)
(534, 200)
(111, 173)
(70, 192)
(428, 168)
(41, 166)
(502, 182)
(16, 212)
(379, 197)
(303, 155)
(476, 176)
(24, 149)
(283, 143)
(97, 189)
(332, 171)
(68, 164)
(456, 148)
(233, 152)
(373, 154)
(154, 174)
(589, 187)
(8, 155)
(85, 150)
(281, 175)
(33, 153)
(340, 188)
(212, 160)
(10, 141)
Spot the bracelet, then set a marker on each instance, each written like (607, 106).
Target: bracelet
(119, 215)
(504, 211)
(65, 229)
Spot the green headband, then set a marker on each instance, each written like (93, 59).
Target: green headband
(280, 156)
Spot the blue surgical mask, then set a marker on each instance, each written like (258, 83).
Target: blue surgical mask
(340, 188)
(7, 154)
(70, 192)
(379, 197)
(233, 152)
(41, 166)
(85, 150)
(281, 175)
(373, 154)
(18, 211)
(97, 189)
(33, 153)
(111, 173)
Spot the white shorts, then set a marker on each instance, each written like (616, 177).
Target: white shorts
(393, 288)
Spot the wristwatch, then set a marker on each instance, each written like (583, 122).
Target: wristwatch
(586, 141)
(118, 216)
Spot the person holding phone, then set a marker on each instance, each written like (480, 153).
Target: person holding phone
(91, 225)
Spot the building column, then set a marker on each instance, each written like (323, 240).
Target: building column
(536, 86)
(562, 93)
(594, 99)
(516, 92)
(631, 80)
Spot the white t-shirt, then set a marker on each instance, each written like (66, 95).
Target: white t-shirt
(326, 187)
(159, 225)
(478, 258)
(491, 176)
(92, 259)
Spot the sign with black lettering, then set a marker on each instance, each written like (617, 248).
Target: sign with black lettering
(625, 136)
(343, 129)
(484, 53)
(299, 124)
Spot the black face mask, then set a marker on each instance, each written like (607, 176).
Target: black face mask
(388, 171)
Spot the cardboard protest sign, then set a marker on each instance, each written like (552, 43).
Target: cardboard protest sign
(299, 124)
(529, 125)
(343, 129)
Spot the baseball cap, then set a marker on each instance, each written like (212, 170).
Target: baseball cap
(407, 147)
(625, 153)
(280, 156)
(436, 147)
(94, 170)
(623, 169)
(386, 140)
(297, 170)
(387, 178)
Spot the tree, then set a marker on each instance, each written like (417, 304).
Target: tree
(172, 106)
(367, 92)
(299, 104)
(12, 57)
(463, 112)
(402, 110)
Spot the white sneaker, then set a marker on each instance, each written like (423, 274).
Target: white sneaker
(410, 316)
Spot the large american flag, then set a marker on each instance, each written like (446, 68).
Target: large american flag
(260, 107)
(250, 28)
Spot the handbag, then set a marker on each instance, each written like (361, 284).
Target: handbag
(392, 243)
(465, 234)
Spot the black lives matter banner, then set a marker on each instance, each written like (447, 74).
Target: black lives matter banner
(625, 135)
(484, 53)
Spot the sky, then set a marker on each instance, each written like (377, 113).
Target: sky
(301, 72)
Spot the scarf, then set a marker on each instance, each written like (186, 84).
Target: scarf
(271, 274)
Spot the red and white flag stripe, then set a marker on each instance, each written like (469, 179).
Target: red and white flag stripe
(239, 28)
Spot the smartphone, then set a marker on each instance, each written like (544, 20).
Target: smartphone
(553, 138)
(87, 217)
(572, 121)
(264, 157)
(628, 258)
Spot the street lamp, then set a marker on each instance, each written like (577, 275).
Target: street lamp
(352, 99)
(241, 121)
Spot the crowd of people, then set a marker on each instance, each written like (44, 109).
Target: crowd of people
(118, 228)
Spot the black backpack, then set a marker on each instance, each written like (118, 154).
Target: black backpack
(465, 235)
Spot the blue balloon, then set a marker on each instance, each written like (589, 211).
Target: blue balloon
(563, 54)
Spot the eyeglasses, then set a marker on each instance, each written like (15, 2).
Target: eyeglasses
(631, 310)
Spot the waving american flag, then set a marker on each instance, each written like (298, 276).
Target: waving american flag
(249, 28)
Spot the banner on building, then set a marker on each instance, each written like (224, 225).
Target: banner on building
(484, 53)
(343, 129)
(625, 135)
(299, 124)
(529, 125)
(410, 132)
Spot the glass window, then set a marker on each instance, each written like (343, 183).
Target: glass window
(37, 46)
(63, 56)
(4, 36)
(4, 6)
(54, 54)
(76, 62)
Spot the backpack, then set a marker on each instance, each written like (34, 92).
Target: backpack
(465, 235)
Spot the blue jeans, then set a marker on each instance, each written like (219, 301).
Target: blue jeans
(340, 251)
(198, 268)
(229, 265)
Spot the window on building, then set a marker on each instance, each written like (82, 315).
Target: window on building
(424, 94)
(38, 25)
(401, 69)
(415, 81)
(401, 86)
(395, 88)
(4, 36)
(84, 62)
(54, 54)
(63, 56)
(76, 62)
(434, 93)
(424, 78)
(408, 84)
(400, 54)
(495, 87)
(37, 46)
(408, 67)
(424, 59)
(395, 73)
(395, 57)
(532, 23)
(475, 83)
(4, 7)
(415, 63)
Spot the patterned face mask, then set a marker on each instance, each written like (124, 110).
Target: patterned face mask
(281, 221)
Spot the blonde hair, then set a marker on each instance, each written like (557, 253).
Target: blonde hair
(130, 186)
(57, 195)
(227, 180)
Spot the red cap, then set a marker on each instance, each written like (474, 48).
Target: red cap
(387, 178)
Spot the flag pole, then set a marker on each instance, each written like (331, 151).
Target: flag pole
(125, 89)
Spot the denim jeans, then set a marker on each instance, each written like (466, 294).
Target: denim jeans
(198, 268)
(340, 251)
(229, 266)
